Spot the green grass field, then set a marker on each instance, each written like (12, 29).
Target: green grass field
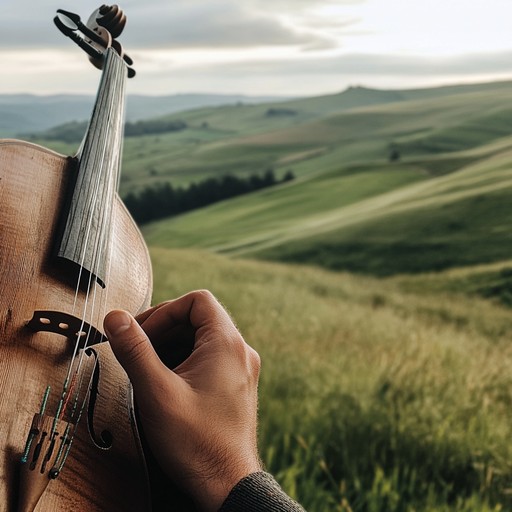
(383, 218)
(376, 395)
(443, 204)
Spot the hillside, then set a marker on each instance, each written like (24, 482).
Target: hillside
(443, 203)
(26, 113)
(312, 133)
(376, 394)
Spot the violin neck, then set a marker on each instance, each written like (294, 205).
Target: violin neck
(85, 238)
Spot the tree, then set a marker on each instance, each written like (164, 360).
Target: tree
(163, 200)
(394, 153)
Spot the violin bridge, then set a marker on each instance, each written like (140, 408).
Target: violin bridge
(47, 446)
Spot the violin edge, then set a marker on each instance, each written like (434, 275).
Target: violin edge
(19, 142)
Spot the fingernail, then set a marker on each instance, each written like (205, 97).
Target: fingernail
(116, 322)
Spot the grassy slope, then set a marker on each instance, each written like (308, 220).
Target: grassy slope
(446, 200)
(459, 219)
(375, 395)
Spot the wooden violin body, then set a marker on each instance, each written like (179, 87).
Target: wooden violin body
(33, 186)
(70, 253)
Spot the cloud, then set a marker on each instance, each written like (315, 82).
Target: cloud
(253, 46)
(164, 24)
(375, 64)
(218, 24)
(310, 76)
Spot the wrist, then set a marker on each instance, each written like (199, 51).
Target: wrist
(214, 490)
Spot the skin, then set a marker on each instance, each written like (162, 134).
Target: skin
(200, 418)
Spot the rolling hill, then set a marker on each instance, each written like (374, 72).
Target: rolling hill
(443, 203)
(28, 113)
(376, 394)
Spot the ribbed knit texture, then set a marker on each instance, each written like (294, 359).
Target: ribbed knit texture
(259, 492)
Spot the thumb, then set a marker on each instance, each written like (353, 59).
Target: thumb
(132, 347)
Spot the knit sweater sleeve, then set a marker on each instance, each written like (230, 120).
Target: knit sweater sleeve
(259, 492)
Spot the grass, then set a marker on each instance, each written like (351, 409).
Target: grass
(374, 395)
(492, 281)
(277, 209)
(459, 219)
(371, 217)
(443, 204)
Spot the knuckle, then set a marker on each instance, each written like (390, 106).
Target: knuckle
(246, 355)
(204, 294)
(254, 361)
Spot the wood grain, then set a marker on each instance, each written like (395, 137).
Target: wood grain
(32, 185)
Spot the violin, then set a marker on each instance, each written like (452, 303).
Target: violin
(69, 253)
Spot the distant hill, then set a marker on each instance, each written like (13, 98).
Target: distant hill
(441, 202)
(25, 113)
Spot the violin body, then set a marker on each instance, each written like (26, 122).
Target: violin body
(34, 184)
(70, 253)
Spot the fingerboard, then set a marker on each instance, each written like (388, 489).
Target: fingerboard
(85, 237)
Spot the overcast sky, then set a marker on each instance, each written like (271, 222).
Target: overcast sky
(265, 47)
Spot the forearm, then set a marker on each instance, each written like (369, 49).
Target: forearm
(259, 492)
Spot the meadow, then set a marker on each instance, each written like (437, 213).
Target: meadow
(376, 286)
(389, 393)
(443, 203)
(374, 396)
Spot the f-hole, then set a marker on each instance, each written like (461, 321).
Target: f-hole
(105, 439)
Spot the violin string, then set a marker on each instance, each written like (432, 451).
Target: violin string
(102, 247)
(100, 239)
(67, 438)
(92, 198)
(109, 249)
(104, 243)
(118, 121)
(80, 331)
(77, 288)
(113, 212)
(98, 242)
(88, 229)
(90, 128)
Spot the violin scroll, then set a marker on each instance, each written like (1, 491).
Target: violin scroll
(103, 27)
(110, 17)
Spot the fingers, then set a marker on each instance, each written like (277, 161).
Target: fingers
(132, 348)
(172, 333)
(200, 309)
(200, 418)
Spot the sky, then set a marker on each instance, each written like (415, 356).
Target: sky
(265, 47)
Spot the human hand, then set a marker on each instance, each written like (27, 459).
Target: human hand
(199, 418)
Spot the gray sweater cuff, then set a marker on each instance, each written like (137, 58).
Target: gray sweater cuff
(259, 492)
